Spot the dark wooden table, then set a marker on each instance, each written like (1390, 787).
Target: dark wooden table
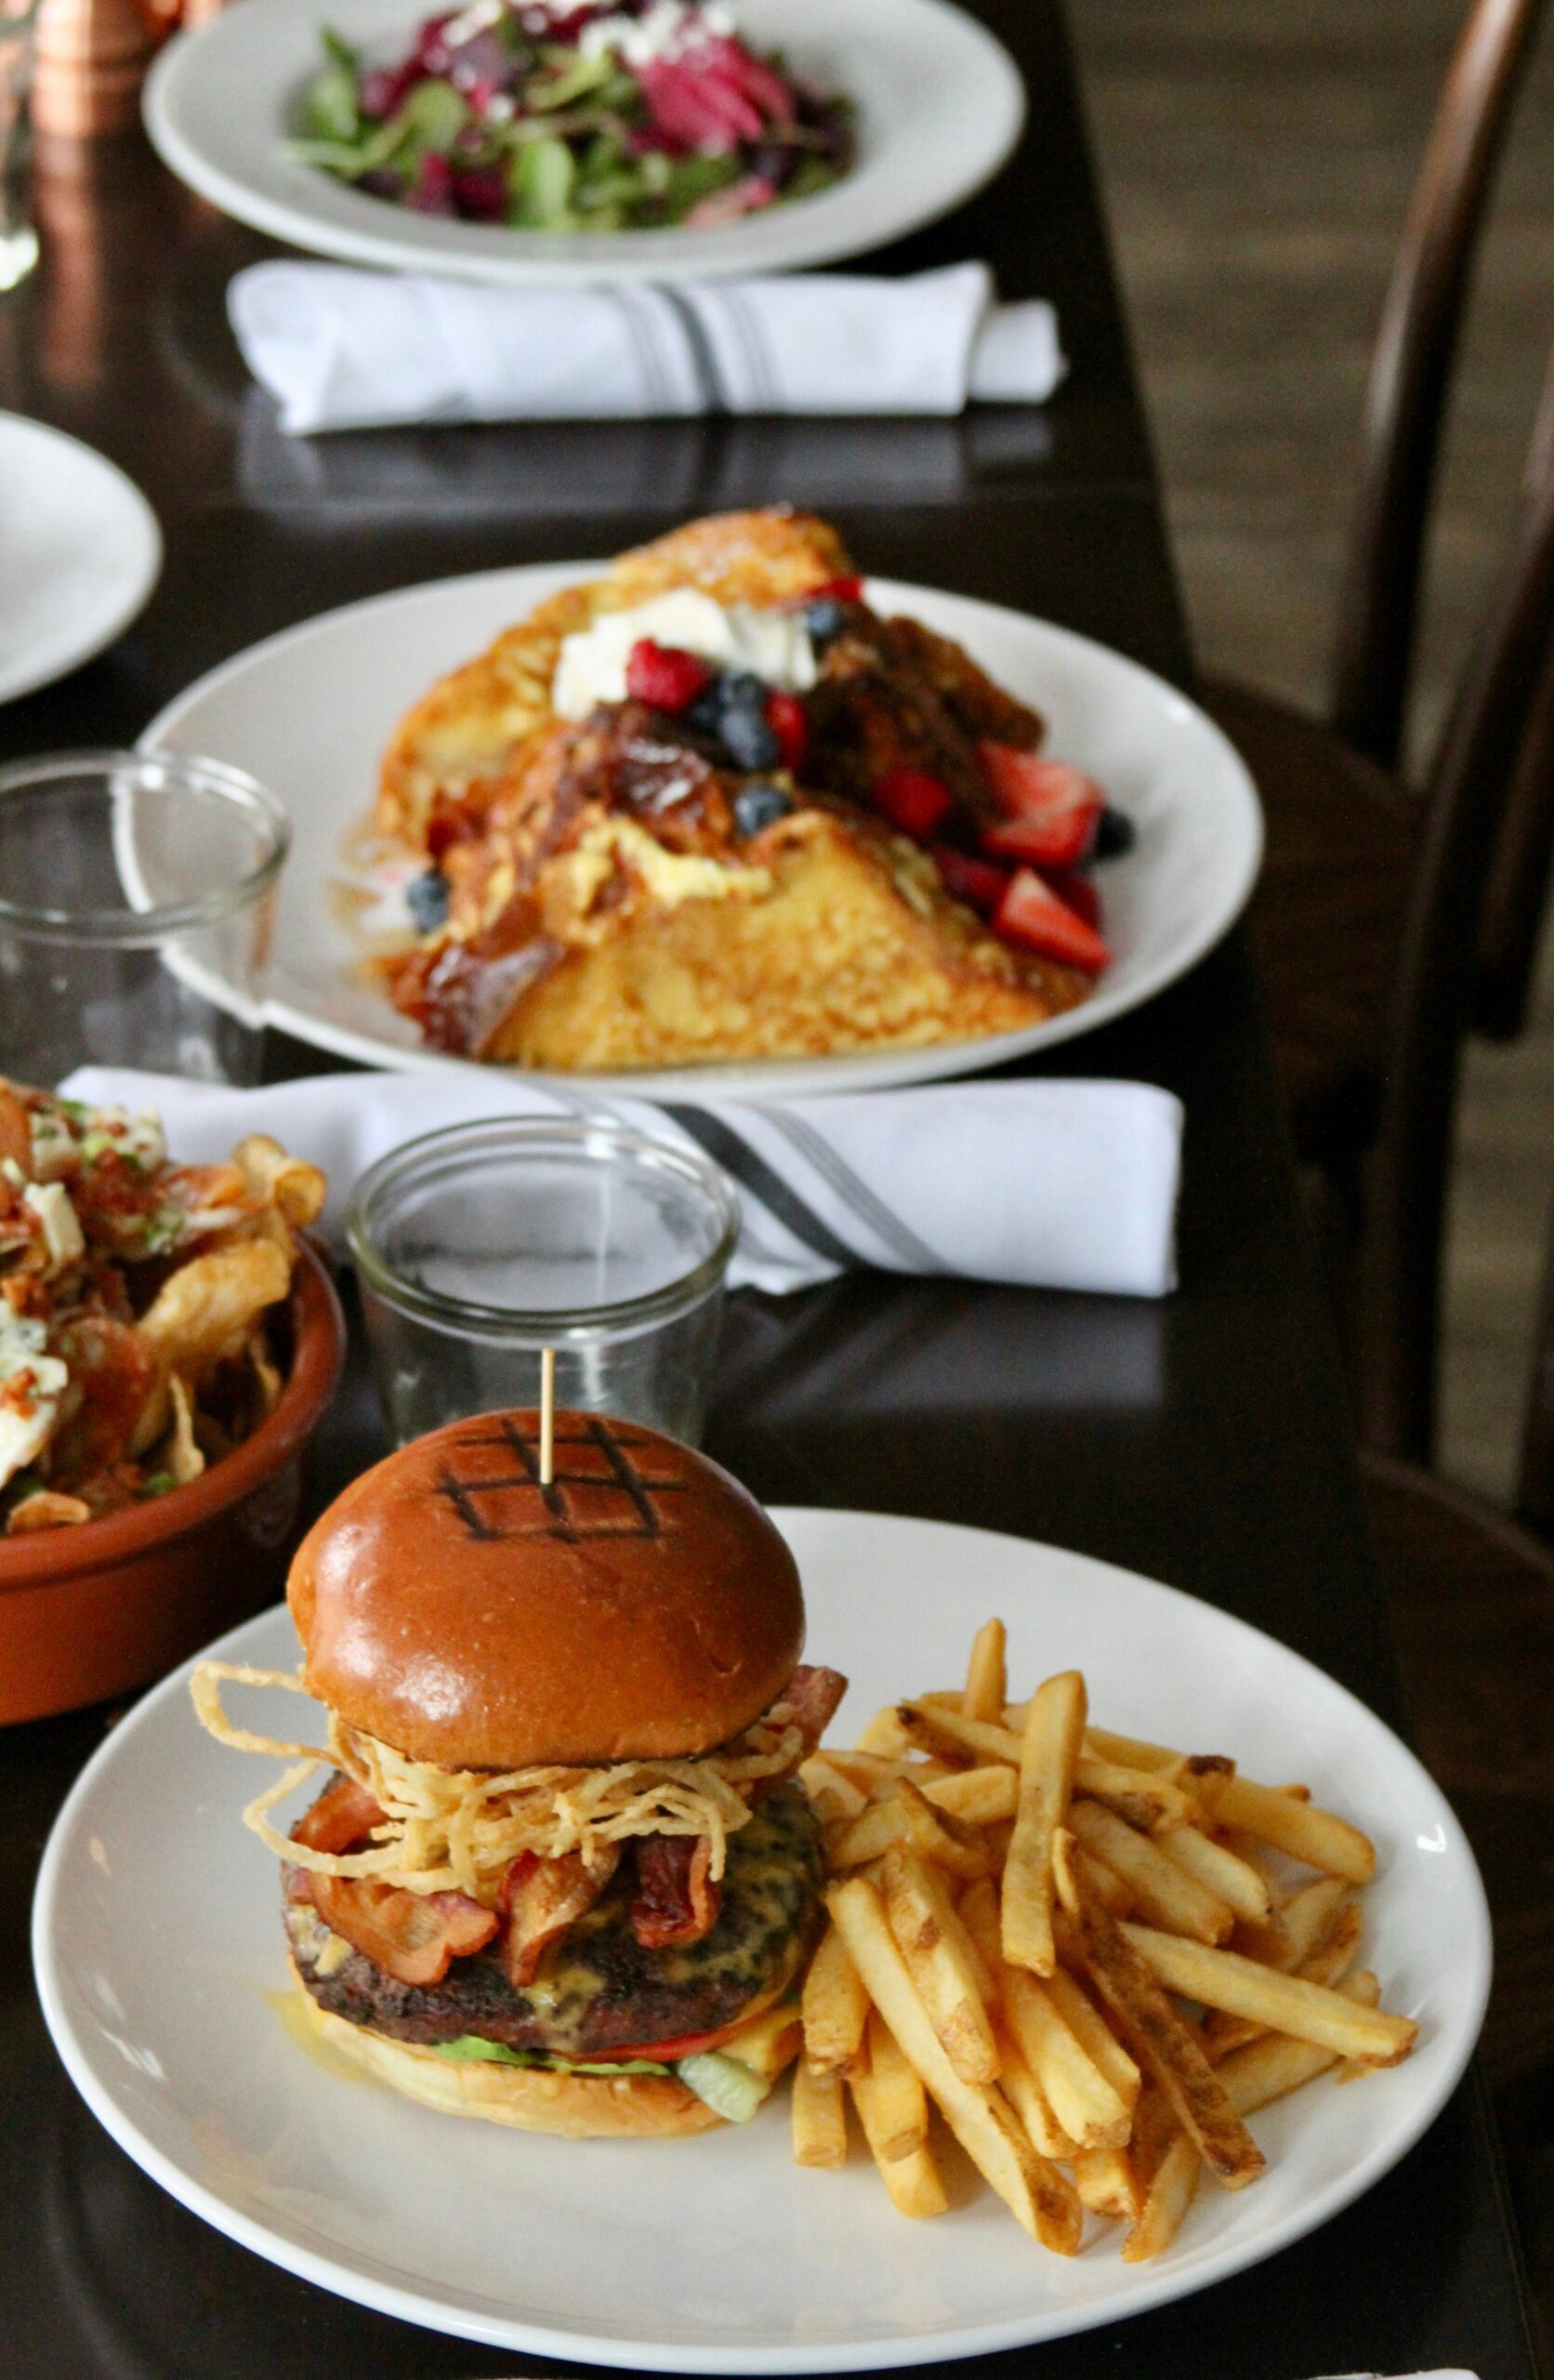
(1204, 1441)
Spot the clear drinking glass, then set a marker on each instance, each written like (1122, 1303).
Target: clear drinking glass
(478, 1247)
(137, 909)
(18, 240)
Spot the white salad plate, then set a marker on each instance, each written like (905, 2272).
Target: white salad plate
(80, 551)
(310, 711)
(939, 107)
(158, 1948)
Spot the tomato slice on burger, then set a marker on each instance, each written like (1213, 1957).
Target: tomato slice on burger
(683, 2045)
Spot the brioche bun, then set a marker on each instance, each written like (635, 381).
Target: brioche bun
(577, 2106)
(642, 1607)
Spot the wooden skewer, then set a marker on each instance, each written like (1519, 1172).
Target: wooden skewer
(547, 1415)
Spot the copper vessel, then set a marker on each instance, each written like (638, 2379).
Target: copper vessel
(91, 57)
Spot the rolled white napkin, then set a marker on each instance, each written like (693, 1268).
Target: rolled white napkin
(345, 350)
(1060, 1185)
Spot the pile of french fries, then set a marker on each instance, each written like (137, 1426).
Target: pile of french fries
(1095, 1956)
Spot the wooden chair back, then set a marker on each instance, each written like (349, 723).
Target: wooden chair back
(1503, 708)
(1410, 377)
(1510, 926)
(1534, 1495)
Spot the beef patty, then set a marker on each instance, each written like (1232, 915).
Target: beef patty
(598, 1991)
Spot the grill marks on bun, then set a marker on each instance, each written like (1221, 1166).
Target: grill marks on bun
(640, 1606)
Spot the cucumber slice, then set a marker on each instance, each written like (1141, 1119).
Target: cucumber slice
(732, 2090)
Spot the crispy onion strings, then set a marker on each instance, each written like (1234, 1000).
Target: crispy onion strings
(458, 1830)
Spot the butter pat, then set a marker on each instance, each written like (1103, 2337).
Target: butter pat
(774, 646)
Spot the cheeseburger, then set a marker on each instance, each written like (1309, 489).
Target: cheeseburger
(561, 1871)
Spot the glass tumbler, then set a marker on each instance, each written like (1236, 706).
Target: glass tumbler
(18, 240)
(480, 1246)
(137, 911)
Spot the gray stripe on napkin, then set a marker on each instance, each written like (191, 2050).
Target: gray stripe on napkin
(855, 1190)
(736, 1156)
(704, 357)
(644, 339)
(765, 388)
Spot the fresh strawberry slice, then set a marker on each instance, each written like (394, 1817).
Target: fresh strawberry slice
(1060, 839)
(664, 676)
(1031, 914)
(789, 721)
(1028, 786)
(839, 591)
(1077, 891)
(911, 799)
(975, 881)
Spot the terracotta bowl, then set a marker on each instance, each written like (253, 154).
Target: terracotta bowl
(90, 1612)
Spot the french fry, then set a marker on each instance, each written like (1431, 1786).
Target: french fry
(979, 1796)
(1163, 2043)
(884, 1734)
(1050, 1752)
(1030, 2104)
(1041, 2199)
(1299, 1927)
(1163, 1893)
(938, 1728)
(1299, 1829)
(835, 1797)
(914, 2182)
(891, 2101)
(943, 1962)
(986, 1682)
(1328, 1964)
(1286, 2003)
(1132, 1751)
(1105, 2182)
(1094, 2035)
(1089, 2108)
(1153, 1803)
(977, 1908)
(819, 2118)
(938, 1835)
(1169, 2195)
(834, 2009)
(1276, 2064)
(1232, 1880)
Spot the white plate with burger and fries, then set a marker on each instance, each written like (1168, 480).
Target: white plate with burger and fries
(1012, 1911)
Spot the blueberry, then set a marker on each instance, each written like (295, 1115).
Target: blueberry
(1115, 833)
(740, 689)
(427, 899)
(749, 740)
(756, 805)
(824, 620)
(707, 712)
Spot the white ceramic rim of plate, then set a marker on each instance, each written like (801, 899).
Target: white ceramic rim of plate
(784, 1077)
(1149, 2287)
(135, 522)
(843, 222)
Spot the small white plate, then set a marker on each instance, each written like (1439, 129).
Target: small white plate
(158, 1948)
(310, 711)
(80, 551)
(941, 105)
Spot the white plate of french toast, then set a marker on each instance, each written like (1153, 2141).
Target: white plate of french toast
(722, 813)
